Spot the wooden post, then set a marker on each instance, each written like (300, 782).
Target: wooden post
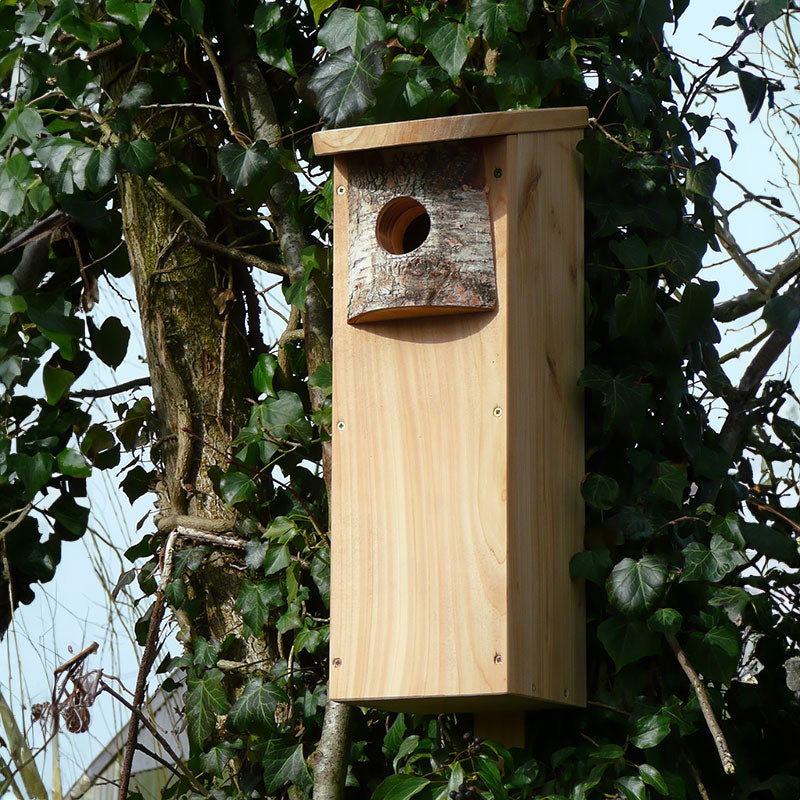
(458, 426)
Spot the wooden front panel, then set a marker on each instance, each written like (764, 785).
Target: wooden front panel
(546, 445)
(419, 500)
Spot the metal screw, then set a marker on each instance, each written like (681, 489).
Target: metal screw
(533, 688)
(498, 412)
(340, 426)
(498, 659)
(566, 693)
(340, 190)
(498, 173)
(337, 662)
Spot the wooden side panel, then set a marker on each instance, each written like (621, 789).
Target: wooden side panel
(419, 562)
(546, 446)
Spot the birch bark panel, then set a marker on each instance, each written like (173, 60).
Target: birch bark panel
(452, 271)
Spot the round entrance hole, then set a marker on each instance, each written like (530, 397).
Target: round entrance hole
(403, 225)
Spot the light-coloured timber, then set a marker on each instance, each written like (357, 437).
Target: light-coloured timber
(457, 461)
(443, 129)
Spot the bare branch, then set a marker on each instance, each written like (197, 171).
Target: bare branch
(331, 757)
(239, 256)
(731, 246)
(134, 383)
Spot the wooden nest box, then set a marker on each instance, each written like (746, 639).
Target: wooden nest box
(458, 427)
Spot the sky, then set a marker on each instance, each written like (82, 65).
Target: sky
(73, 610)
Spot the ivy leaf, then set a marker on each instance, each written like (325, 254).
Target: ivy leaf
(665, 620)
(255, 708)
(205, 699)
(236, 487)
(135, 14)
(448, 42)
(399, 787)
(243, 166)
(24, 123)
(56, 383)
(100, 168)
(34, 471)
(592, 565)
(635, 311)
(264, 374)
(635, 587)
(138, 156)
(283, 417)
(624, 398)
(632, 787)
(703, 178)
(671, 482)
(767, 11)
(72, 463)
(712, 563)
(782, 313)
(344, 85)
(70, 518)
(600, 491)
(627, 640)
(319, 7)
(771, 542)
(254, 602)
(284, 764)
(754, 90)
(495, 17)
(217, 758)
(205, 652)
(277, 558)
(651, 776)
(715, 653)
(110, 341)
(322, 379)
(728, 527)
(254, 554)
(192, 12)
(649, 730)
(347, 28)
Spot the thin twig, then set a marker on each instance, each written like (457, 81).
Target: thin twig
(134, 383)
(234, 254)
(728, 764)
(227, 103)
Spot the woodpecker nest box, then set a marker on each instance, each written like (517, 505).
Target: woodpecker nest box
(458, 427)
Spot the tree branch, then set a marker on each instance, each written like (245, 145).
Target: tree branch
(233, 254)
(738, 255)
(728, 764)
(134, 383)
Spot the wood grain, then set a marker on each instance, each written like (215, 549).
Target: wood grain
(452, 271)
(457, 460)
(442, 129)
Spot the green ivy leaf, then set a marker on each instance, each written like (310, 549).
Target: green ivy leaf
(635, 311)
(283, 417)
(255, 708)
(205, 698)
(254, 554)
(495, 17)
(138, 156)
(236, 487)
(592, 565)
(277, 558)
(24, 123)
(600, 491)
(782, 313)
(217, 758)
(243, 166)
(728, 527)
(715, 653)
(347, 28)
(110, 341)
(284, 764)
(205, 652)
(665, 620)
(754, 90)
(400, 787)
(322, 379)
(319, 7)
(652, 777)
(649, 730)
(772, 543)
(56, 383)
(632, 787)
(671, 482)
(627, 640)
(72, 463)
(344, 85)
(70, 518)
(447, 41)
(767, 11)
(34, 471)
(254, 602)
(192, 12)
(703, 178)
(712, 563)
(101, 168)
(635, 587)
(135, 14)
(264, 374)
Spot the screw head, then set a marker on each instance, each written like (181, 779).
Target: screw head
(340, 426)
(498, 173)
(498, 412)
(566, 693)
(340, 189)
(498, 659)
(337, 662)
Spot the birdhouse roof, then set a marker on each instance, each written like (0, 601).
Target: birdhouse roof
(443, 129)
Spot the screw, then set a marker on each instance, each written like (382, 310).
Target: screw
(340, 426)
(498, 173)
(498, 659)
(533, 688)
(337, 662)
(340, 190)
(566, 693)
(498, 412)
